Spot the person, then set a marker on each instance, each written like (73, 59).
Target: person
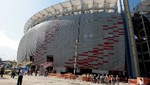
(106, 79)
(36, 72)
(140, 82)
(102, 79)
(13, 74)
(112, 80)
(98, 78)
(117, 79)
(94, 78)
(46, 73)
(2, 71)
(20, 77)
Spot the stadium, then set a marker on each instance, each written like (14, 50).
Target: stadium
(79, 35)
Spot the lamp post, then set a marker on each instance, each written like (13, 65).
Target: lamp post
(77, 44)
(76, 55)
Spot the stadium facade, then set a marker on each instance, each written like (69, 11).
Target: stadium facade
(81, 34)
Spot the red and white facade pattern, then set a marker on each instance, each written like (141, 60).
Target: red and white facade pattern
(104, 55)
(102, 44)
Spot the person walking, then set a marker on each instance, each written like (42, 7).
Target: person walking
(20, 77)
(13, 74)
(2, 71)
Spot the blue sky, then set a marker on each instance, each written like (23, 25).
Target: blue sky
(133, 3)
(13, 16)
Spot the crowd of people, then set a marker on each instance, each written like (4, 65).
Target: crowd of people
(107, 79)
(95, 78)
(20, 72)
(102, 79)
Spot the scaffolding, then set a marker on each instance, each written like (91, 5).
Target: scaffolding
(141, 23)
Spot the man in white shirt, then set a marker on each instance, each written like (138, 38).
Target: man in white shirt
(20, 77)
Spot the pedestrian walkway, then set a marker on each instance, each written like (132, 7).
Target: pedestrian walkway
(41, 80)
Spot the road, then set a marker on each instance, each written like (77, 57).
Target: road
(41, 80)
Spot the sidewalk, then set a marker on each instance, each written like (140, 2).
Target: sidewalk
(41, 80)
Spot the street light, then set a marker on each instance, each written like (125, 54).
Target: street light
(76, 55)
(77, 45)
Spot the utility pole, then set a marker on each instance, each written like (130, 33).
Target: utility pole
(77, 40)
(76, 55)
(130, 32)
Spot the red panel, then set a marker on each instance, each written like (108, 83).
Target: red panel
(95, 51)
(114, 16)
(108, 48)
(94, 65)
(116, 40)
(106, 55)
(85, 63)
(69, 63)
(111, 39)
(80, 63)
(101, 53)
(100, 63)
(92, 56)
(122, 34)
(105, 61)
(90, 60)
(107, 43)
(120, 23)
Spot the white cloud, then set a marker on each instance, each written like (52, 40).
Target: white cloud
(5, 41)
